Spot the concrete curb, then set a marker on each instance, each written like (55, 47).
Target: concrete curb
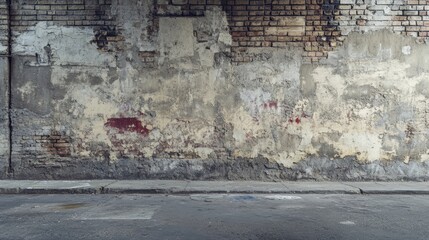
(391, 187)
(208, 187)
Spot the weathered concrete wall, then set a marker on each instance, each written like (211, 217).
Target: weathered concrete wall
(4, 119)
(4, 93)
(220, 89)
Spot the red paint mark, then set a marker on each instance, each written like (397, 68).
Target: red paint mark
(297, 120)
(271, 104)
(127, 125)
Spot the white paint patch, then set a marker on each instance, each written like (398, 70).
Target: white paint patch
(83, 185)
(347, 223)
(282, 197)
(406, 50)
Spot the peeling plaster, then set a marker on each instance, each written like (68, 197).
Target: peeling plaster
(360, 114)
(70, 46)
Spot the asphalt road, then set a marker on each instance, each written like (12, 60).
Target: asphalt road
(61, 217)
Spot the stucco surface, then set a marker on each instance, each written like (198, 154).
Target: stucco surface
(83, 112)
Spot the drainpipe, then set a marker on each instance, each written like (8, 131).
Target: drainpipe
(9, 70)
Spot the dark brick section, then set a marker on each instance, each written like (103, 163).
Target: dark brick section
(27, 13)
(4, 18)
(105, 35)
(54, 144)
(149, 58)
(278, 23)
(310, 24)
(318, 26)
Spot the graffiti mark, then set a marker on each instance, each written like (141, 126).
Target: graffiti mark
(127, 125)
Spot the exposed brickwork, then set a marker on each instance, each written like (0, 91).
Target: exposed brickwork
(61, 12)
(4, 18)
(105, 35)
(317, 25)
(53, 144)
(148, 57)
(80, 13)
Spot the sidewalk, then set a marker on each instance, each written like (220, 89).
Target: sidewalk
(208, 187)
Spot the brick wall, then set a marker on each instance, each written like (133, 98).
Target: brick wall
(52, 144)
(27, 13)
(317, 25)
(4, 18)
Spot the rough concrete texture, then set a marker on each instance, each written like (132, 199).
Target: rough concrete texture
(159, 97)
(4, 120)
(180, 187)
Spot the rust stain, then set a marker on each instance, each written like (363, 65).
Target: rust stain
(271, 104)
(127, 125)
(297, 120)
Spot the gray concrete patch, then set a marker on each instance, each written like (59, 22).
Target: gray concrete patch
(32, 88)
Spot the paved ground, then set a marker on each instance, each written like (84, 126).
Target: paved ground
(214, 216)
(192, 187)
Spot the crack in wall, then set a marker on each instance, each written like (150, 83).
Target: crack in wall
(9, 70)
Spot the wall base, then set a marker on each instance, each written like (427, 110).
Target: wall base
(347, 169)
